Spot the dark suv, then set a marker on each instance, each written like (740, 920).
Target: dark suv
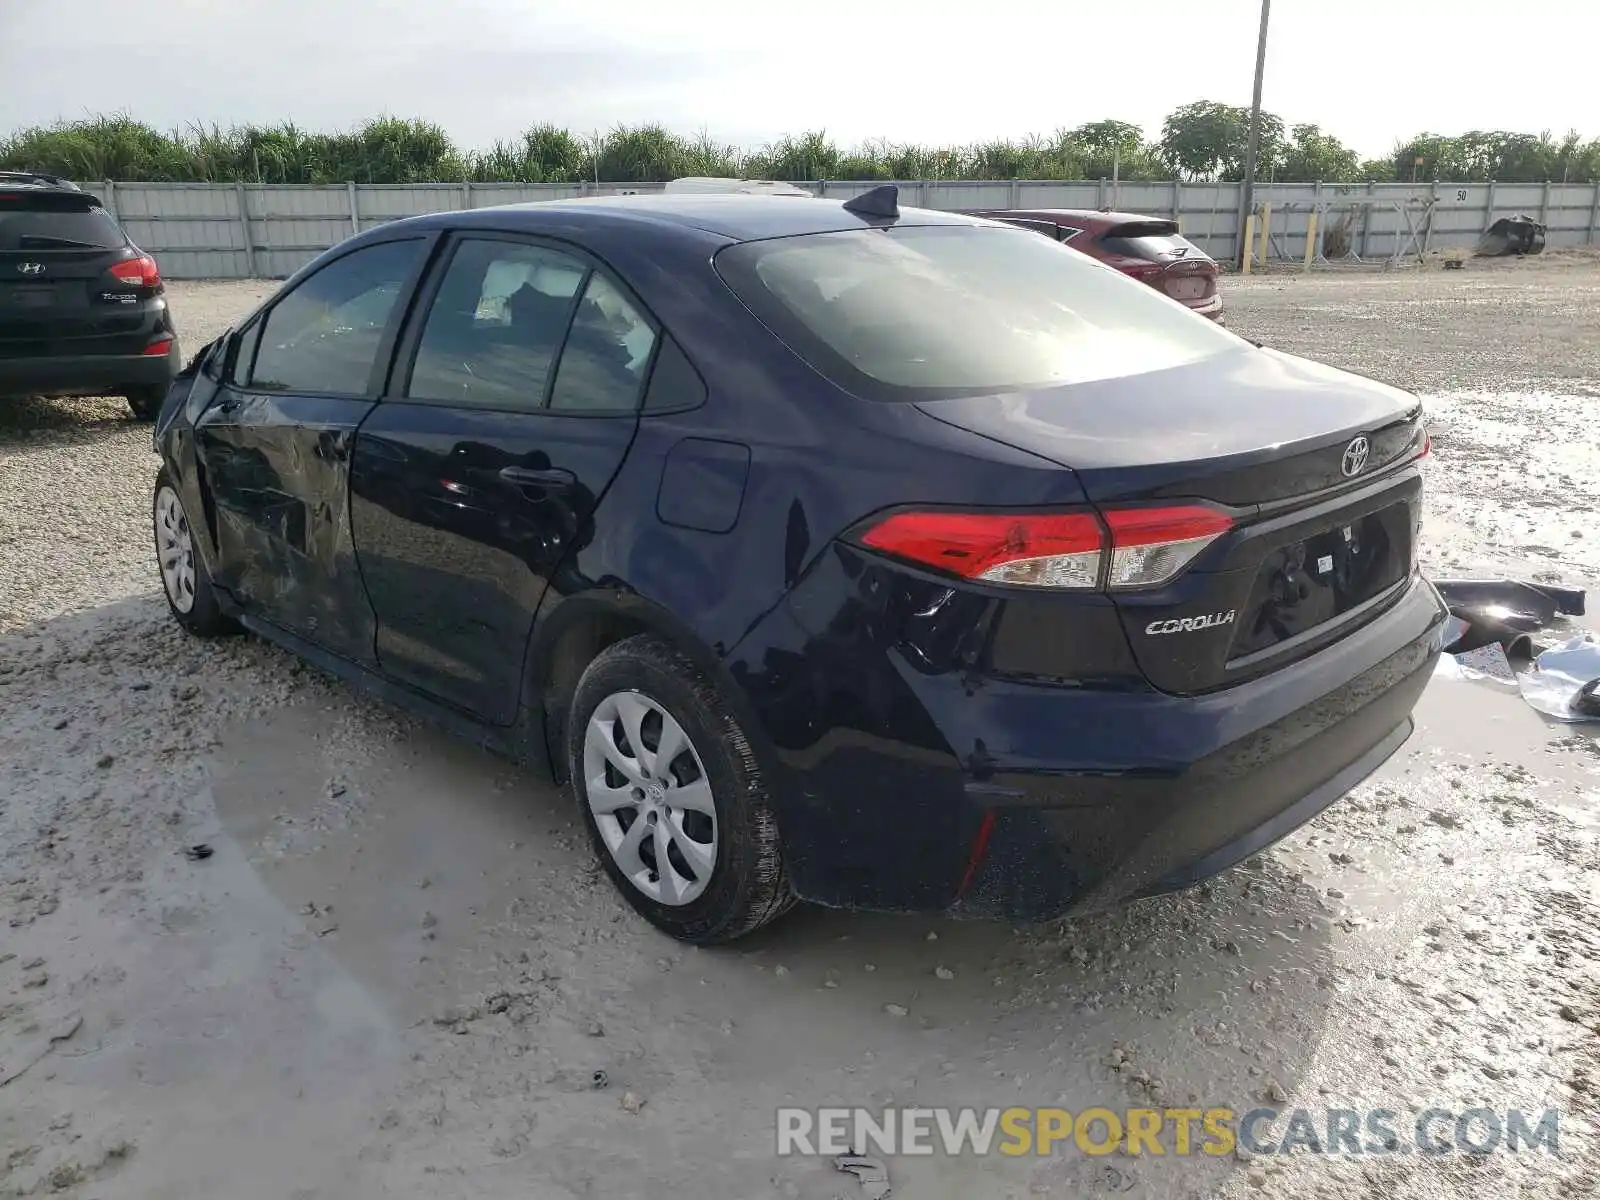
(82, 309)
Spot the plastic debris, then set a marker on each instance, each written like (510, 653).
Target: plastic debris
(1560, 679)
(1486, 664)
(1519, 234)
(198, 853)
(869, 1172)
(1504, 611)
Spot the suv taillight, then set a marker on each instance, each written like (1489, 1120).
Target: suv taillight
(1126, 548)
(141, 272)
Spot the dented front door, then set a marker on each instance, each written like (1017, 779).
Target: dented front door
(278, 469)
(274, 446)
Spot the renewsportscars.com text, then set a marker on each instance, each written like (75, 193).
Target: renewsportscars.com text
(1163, 1131)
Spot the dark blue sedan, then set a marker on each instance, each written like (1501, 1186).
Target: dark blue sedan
(880, 558)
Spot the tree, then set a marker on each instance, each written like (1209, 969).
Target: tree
(1106, 148)
(1312, 155)
(1207, 140)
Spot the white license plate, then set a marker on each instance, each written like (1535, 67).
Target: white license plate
(1186, 289)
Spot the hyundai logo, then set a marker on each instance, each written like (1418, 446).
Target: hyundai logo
(1355, 457)
(31, 268)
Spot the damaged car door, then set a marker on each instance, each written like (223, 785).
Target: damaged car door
(275, 444)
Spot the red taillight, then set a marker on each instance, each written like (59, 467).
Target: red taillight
(1132, 548)
(155, 348)
(1062, 548)
(1427, 445)
(141, 272)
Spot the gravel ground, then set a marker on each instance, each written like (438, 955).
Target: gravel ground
(399, 971)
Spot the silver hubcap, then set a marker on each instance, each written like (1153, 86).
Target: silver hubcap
(651, 801)
(175, 550)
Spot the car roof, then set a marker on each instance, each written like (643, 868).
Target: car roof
(738, 217)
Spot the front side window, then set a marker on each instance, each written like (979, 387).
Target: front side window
(495, 325)
(926, 312)
(323, 336)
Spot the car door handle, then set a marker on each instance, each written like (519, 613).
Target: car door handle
(551, 479)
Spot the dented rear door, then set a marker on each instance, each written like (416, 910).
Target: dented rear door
(274, 446)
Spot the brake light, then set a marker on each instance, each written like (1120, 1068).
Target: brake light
(141, 272)
(1427, 444)
(1130, 548)
(155, 348)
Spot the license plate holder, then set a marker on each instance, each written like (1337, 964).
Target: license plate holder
(1323, 576)
(32, 296)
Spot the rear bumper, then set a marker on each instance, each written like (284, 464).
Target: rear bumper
(1211, 307)
(86, 375)
(1001, 798)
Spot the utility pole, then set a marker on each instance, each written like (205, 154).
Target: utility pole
(1255, 123)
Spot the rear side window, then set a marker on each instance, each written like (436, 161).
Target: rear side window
(926, 312)
(33, 222)
(1152, 241)
(606, 355)
(495, 325)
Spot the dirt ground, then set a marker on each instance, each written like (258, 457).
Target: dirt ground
(400, 970)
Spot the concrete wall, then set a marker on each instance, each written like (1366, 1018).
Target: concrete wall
(242, 231)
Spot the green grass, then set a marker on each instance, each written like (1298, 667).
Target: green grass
(400, 150)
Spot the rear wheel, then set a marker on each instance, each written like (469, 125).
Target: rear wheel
(184, 580)
(672, 795)
(145, 402)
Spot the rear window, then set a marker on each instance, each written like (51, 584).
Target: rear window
(927, 312)
(55, 223)
(1152, 241)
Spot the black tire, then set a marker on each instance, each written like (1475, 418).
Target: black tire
(145, 402)
(203, 617)
(749, 885)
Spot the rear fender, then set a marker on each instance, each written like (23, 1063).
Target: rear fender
(573, 629)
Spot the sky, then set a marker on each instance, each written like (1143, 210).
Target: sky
(936, 71)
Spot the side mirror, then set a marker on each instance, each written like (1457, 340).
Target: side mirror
(225, 351)
(209, 360)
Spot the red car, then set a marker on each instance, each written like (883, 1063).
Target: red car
(1147, 248)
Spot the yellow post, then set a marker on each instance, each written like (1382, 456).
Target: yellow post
(1266, 231)
(1311, 238)
(1178, 221)
(1249, 244)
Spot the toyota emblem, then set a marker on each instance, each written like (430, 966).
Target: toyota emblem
(1355, 457)
(31, 268)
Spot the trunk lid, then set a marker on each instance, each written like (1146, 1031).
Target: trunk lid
(1316, 548)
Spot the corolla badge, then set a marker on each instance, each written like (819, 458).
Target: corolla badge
(1191, 624)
